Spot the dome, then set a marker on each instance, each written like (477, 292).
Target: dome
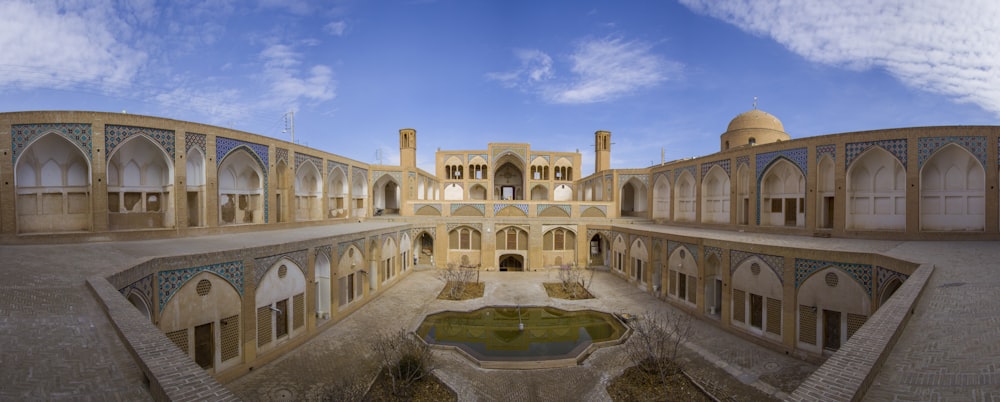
(756, 119)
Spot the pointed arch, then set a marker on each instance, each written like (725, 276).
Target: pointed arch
(782, 194)
(661, 197)
(308, 192)
(241, 188)
(337, 193)
(633, 198)
(52, 185)
(825, 192)
(638, 260)
(685, 197)
(832, 305)
(715, 196)
(953, 191)
(756, 302)
(876, 192)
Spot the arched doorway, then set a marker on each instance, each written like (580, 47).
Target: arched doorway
(509, 178)
(511, 262)
(423, 249)
(598, 251)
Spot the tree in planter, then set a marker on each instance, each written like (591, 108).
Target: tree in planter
(404, 358)
(656, 338)
(574, 280)
(458, 278)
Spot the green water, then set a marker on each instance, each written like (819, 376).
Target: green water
(493, 333)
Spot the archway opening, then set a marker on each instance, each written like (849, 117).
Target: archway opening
(511, 262)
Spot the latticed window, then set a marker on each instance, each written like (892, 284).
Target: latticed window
(465, 239)
(511, 239)
(559, 240)
(774, 316)
(807, 324)
(739, 305)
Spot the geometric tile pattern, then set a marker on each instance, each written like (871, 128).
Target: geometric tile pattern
(546, 157)
(359, 175)
(926, 146)
(690, 247)
(624, 178)
(477, 226)
(798, 156)
(743, 160)
(192, 140)
(114, 135)
(520, 152)
(480, 207)
(499, 206)
(774, 262)
(484, 156)
(377, 174)
(79, 134)
(172, 281)
(828, 149)
(564, 207)
(862, 273)
(330, 165)
(415, 232)
(416, 207)
(144, 287)
(224, 145)
(716, 251)
(358, 244)
(280, 155)
(895, 147)
(884, 275)
(708, 165)
(664, 174)
(602, 208)
(262, 264)
(325, 249)
(690, 169)
(301, 158)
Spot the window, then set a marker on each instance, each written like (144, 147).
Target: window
(511, 239)
(776, 205)
(756, 310)
(682, 286)
(464, 239)
(559, 240)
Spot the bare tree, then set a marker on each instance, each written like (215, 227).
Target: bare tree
(457, 279)
(574, 279)
(656, 338)
(404, 358)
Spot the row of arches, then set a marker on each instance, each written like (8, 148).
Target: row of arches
(465, 245)
(952, 191)
(540, 192)
(829, 304)
(54, 192)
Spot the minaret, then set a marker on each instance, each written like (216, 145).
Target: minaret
(408, 148)
(602, 148)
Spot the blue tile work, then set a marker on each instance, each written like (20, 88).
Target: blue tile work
(498, 206)
(774, 262)
(280, 155)
(520, 152)
(742, 160)
(692, 249)
(172, 281)
(884, 276)
(606, 234)
(692, 169)
(624, 178)
(80, 134)
(115, 135)
(377, 175)
(602, 208)
(484, 156)
(708, 165)
(664, 174)
(798, 156)
(416, 207)
(326, 250)
(358, 244)
(862, 273)
(359, 175)
(224, 146)
(301, 158)
(828, 149)
(928, 145)
(477, 226)
(415, 232)
(546, 157)
(480, 207)
(298, 258)
(143, 287)
(195, 140)
(716, 251)
(330, 165)
(564, 207)
(895, 147)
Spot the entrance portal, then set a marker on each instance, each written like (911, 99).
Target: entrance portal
(511, 262)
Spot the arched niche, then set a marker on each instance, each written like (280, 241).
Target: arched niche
(52, 183)
(952, 191)
(715, 196)
(782, 195)
(241, 189)
(876, 192)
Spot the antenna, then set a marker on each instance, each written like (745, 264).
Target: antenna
(754, 103)
(290, 124)
(378, 155)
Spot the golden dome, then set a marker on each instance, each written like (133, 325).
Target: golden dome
(756, 119)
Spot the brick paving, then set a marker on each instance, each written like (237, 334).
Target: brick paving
(58, 343)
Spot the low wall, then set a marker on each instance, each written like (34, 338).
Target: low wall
(172, 375)
(847, 374)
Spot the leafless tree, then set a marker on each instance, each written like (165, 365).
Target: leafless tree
(656, 338)
(404, 358)
(457, 278)
(575, 280)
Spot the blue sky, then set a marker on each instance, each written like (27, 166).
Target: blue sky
(657, 74)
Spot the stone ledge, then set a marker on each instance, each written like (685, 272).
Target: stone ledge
(848, 373)
(172, 375)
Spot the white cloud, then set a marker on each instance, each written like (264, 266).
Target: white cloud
(336, 28)
(288, 83)
(945, 47)
(57, 46)
(602, 70)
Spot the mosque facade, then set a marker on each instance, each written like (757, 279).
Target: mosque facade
(89, 176)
